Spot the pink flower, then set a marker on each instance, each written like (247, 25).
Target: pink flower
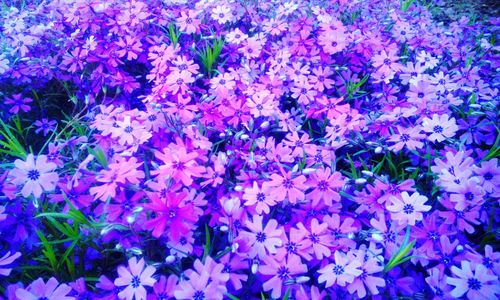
(326, 186)
(188, 22)
(477, 282)
(409, 137)
(35, 175)
(440, 127)
(259, 197)
(51, 290)
(179, 164)
(135, 277)
(206, 281)
(408, 209)
(6, 260)
(281, 272)
(342, 271)
(285, 187)
(120, 172)
(264, 240)
(130, 47)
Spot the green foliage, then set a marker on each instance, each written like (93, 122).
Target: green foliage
(210, 54)
(405, 4)
(61, 229)
(173, 34)
(9, 142)
(401, 255)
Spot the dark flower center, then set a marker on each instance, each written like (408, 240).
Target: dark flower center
(128, 129)
(261, 237)
(437, 129)
(405, 137)
(283, 272)
(408, 209)
(261, 197)
(488, 176)
(474, 284)
(338, 270)
(199, 295)
(33, 174)
(136, 282)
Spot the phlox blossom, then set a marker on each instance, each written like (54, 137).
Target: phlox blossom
(408, 209)
(36, 175)
(134, 278)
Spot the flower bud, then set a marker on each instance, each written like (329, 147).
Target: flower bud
(170, 259)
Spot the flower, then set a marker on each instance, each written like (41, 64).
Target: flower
(36, 175)
(206, 281)
(188, 22)
(45, 125)
(258, 197)
(408, 209)
(439, 127)
(179, 164)
(285, 187)
(281, 272)
(263, 239)
(18, 103)
(342, 271)
(326, 185)
(135, 277)
(173, 211)
(476, 282)
(409, 137)
(51, 290)
(6, 260)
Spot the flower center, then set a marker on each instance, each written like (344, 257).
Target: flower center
(437, 129)
(261, 237)
(338, 270)
(136, 282)
(474, 284)
(408, 209)
(33, 174)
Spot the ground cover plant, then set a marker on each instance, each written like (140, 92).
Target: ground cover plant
(247, 150)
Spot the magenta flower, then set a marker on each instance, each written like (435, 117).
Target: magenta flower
(51, 290)
(172, 211)
(135, 278)
(476, 282)
(408, 209)
(6, 260)
(36, 175)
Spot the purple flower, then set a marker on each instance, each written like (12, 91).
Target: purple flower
(6, 260)
(45, 125)
(17, 103)
(134, 278)
(476, 282)
(51, 290)
(35, 175)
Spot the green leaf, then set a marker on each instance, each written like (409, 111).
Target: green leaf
(287, 294)
(206, 247)
(48, 251)
(232, 297)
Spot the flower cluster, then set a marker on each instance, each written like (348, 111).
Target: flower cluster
(247, 150)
